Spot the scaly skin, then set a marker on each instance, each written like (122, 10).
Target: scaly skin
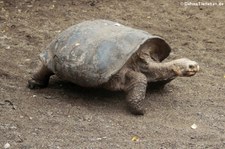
(133, 78)
(136, 74)
(136, 84)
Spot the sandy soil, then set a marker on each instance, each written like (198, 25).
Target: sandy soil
(67, 116)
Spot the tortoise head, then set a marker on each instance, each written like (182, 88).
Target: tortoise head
(184, 67)
(153, 52)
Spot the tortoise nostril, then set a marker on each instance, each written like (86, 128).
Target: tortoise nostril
(191, 66)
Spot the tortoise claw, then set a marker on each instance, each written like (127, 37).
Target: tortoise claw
(33, 84)
(137, 111)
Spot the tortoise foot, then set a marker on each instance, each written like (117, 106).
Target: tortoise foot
(33, 84)
(137, 111)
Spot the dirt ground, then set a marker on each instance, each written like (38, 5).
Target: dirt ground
(68, 116)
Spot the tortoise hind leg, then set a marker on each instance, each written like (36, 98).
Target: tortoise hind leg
(40, 79)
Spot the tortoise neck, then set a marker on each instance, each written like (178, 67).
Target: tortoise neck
(156, 71)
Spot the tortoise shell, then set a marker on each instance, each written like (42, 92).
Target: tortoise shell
(91, 52)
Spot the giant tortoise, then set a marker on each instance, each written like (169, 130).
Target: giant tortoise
(107, 54)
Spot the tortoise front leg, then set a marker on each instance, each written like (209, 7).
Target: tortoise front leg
(40, 79)
(135, 88)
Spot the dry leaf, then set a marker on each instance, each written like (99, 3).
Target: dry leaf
(135, 139)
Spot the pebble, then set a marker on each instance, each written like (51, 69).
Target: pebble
(49, 113)
(48, 97)
(7, 145)
(77, 44)
(8, 47)
(52, 7)
(4, 37)
(27, 60)
(13, 127)
(117, 24)
(87, 118)
(194, 126)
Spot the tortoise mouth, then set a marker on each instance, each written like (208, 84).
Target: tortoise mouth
(186, 73)
(190, 73)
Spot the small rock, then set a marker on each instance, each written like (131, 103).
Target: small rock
(77, 44)
(34, 133)
(34, 96)
(13, 127)
(49, 113)
(4, 36)
(27, 60)
(3, 10)
(52, 7)
(194, 126)
(87, 118)
(48, 97)
(117, 24)
(8, 47)
(7, 145)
